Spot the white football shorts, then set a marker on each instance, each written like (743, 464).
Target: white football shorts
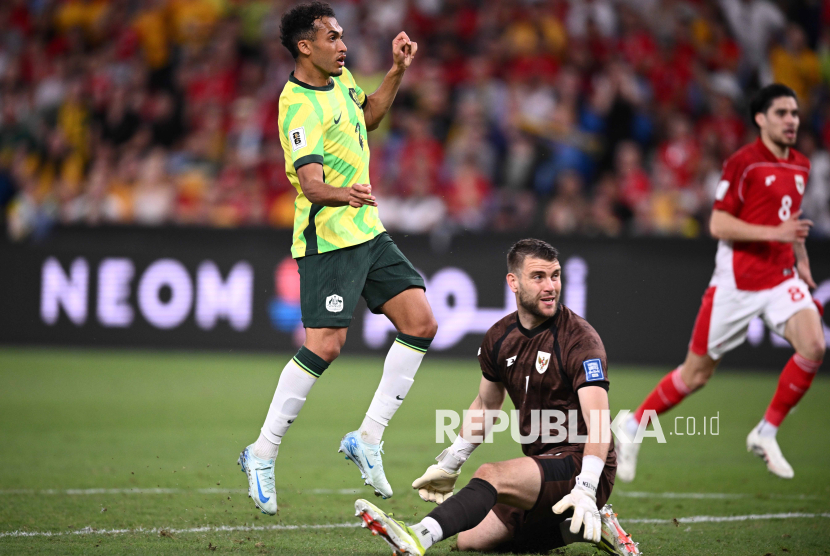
(725, 314)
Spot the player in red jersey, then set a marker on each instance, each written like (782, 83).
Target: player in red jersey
(761, 269)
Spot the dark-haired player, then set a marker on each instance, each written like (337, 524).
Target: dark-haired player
(340, 245)
(761, 269)
(544, 357)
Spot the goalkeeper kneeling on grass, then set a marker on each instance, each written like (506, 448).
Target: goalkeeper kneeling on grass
(546, 358)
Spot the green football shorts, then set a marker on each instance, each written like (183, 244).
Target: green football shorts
(331, 283)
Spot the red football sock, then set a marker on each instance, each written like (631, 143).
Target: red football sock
(669, 392)
(794, 382)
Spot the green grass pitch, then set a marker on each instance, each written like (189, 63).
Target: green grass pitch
(158, 434)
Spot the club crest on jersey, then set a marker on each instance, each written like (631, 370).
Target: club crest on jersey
(593, 370)
(334, 303)
(799, 183)
(542, 361)
(511, 360)
(353, 94)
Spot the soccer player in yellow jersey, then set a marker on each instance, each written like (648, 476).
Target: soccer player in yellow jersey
(342, 249)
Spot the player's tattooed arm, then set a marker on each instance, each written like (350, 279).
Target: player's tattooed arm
(319, 192)
(731, 228)
(379, 102)
(802, 263)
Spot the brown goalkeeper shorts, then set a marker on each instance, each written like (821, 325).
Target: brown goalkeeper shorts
(537, 529)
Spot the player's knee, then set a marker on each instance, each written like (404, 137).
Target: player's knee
(699, 378)
(467, 542)
(429, 328)
(488, 472)
(814, 350)
(329, 351)
(424, 327)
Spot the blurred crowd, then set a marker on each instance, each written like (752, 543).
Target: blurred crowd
(601, 117)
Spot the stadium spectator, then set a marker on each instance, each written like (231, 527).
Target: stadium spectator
(633, 182)
(567, 210)
(91, 92)
(722, 131)
(468, 195)
(817, 198)
(679, 154)
(794, 64)
(606, 214)
(754, 23)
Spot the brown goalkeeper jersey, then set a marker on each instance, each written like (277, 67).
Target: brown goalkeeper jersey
(543, 368)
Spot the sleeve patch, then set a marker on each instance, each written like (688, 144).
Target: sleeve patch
(720, 192)
(297, 137)
(593, 370)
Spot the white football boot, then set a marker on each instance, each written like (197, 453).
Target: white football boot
(261, 483)
(626, 455)
(766, 448)
(614, 539)
(367, 459)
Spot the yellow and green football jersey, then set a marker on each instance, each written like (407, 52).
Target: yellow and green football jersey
(325, 125)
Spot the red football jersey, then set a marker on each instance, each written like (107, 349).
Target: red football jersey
(760, 189)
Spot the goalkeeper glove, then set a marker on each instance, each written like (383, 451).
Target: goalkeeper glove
(583, 500)
(436, 485)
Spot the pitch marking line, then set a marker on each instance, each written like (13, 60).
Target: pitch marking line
(351, 491)
(156, 530)
(710, 495)
(89, 491)
(726, 518)
(227, 528)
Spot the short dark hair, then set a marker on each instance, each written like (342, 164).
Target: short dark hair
(763, 98)
(297, 24)
(529, 248)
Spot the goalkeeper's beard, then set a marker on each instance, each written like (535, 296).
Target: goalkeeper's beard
(531, 305)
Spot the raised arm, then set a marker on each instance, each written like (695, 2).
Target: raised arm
(379, 102)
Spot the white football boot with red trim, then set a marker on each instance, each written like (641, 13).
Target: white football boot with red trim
(614, 538)
(397, 534)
